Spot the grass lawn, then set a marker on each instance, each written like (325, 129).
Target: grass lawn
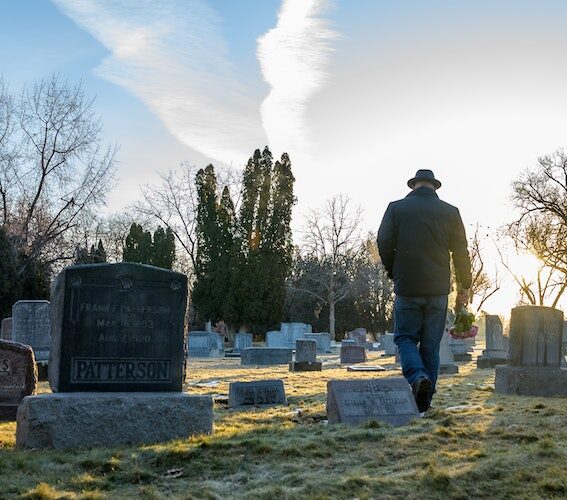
(473, 444)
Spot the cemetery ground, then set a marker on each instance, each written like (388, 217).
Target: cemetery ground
(475, 443)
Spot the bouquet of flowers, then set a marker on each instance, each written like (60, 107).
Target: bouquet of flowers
(464, 326)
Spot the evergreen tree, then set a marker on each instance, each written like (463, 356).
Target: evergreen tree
(163, 248)
(96, 255)
(138, 246)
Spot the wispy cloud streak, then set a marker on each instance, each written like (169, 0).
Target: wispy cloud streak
(293, 57)
(172, 56)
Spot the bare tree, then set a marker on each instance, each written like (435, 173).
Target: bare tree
(482, 286)
(62, 172)
(332, 243)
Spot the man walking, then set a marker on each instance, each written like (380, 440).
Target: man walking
(417, 236)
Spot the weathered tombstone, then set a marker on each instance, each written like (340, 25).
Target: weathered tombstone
(6, 329)
(447, 364)
(460, 349)
(387, 343)
(352, 354)
(388, 400)
(305, 357)
(359, 336)
(117, 329)
(287, 335)
(495, 352)
(534, 365)
(205, 344)
(258, 392)
(242, 341)
(31, 325)
(296, 328)
(266, 356)
(373, 346)
(18, 376)
(323, 341)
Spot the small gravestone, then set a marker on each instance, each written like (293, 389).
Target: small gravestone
(534, 364)
(31, 326)
(117, 362)
(323, 341)
(266, 356)
(495, 352)
(352, 354)
(259, 392)
(18, 376)
(359, 336)
(205, 344)
(447, 364)
(305, 357)
(6, 329)
(388, 400)
(387, 343)
(242, 341)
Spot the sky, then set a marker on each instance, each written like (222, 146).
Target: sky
(360, 93)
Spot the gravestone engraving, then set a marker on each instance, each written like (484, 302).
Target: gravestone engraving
(266, 356)
(323, 341)
(259, 392)
(534, 365)
(359, 336)
(18, 376)
(388, 400)
(387, 343)
(242, 341)
(117, 327)
(205, 344)
(6, 329)
(495, 352)
(305, 356)
(31, 326)
(352, 354)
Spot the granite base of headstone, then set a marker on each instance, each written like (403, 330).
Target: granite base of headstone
(95, 419)
(534, 365)
(258, 392)
(6, 329)
(266, 356)
(495, 352)
(242, 341)
(352, 354)
(202, 344)
(323, 341)
(388, 400)
(305, 357)
(387, 343)
(116, 362)
(18, 376)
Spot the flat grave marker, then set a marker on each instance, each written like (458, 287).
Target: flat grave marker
(258, 392)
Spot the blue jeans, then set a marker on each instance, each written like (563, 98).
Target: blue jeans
(419, 320)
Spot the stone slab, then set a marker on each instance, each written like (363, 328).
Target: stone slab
(266, 356)
(387, 343)
(118, 327)
(305, 366)
(323, 341)
(490, 362)
(31, 325)
(18, 376)
(462, 356)
(448, 369)
(358, 335)
(531, 380)
(388, 400)
(305, 350)
(6, 329)
(258, 392)
(87, 420)
(242, 341)
(352, 353)
(205, 345)
(363, 368)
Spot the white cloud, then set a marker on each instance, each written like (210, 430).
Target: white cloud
(293, 57)
(172, 56)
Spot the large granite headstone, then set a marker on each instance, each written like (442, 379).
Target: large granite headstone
(6, 329)
(117, 328)
(388, 400)
(242, 341)
(387, 343)
(352, 354)
(305, 356)
(258, 392)
(18, 376)
(495, 352)
(534, 364)
(323, 341)
(31, 326)
(205, 344)
(266, 356)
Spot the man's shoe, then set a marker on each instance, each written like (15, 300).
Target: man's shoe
(422, 388)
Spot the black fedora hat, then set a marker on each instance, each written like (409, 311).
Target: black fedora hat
(424, 176)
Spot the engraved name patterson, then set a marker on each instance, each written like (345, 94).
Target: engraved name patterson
(4, 365)
(122, 370)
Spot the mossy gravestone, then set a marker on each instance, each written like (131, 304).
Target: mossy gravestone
(117, 362)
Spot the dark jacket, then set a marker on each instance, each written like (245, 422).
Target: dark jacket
(415, 239)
